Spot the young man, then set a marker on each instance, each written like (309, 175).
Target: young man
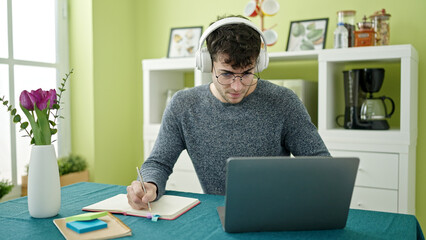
(237, 114)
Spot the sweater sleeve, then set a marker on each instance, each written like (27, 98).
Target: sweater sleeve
(300, 135)
(167, 148)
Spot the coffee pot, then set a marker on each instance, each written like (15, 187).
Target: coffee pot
(362, 109)
(373, 109)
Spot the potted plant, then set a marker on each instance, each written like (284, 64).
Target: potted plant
(41, 108)
(72, 169)
(5, 188)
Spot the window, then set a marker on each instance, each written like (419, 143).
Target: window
(33, 54)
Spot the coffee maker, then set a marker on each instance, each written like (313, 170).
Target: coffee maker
(362, 109)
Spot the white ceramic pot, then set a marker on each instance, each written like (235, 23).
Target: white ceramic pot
(44, 189)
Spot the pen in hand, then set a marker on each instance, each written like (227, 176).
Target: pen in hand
(143, 187)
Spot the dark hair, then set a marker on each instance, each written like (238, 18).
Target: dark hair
(241, 43)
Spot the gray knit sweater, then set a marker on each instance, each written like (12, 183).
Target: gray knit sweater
(271, 121)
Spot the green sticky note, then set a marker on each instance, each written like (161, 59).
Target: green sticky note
(86, 216)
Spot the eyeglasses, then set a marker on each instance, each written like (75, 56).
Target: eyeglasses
(247, 79)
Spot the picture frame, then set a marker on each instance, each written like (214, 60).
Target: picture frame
(183, 41)
(307, 35)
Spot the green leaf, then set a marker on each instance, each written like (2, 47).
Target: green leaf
(55, 106)
(53, 131)
(13, 112)
(5, 103)
(24, 125)
(17, 118)
(52, 123)
(44, 127)
(61, 89)
(35, 129)
(9, 108)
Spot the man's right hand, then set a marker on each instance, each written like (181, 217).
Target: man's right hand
(136, 196)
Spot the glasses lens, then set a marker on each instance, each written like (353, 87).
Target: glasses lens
(247, 79)
(226, 78)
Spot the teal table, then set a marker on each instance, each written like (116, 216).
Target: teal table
(201, 222)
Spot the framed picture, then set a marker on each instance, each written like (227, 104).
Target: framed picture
(307, 35)
(184, 41)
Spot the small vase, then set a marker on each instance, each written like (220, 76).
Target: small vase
(44, 189)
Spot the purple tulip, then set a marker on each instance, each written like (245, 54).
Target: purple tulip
(38, 97)
(25, 100)
(51, 95)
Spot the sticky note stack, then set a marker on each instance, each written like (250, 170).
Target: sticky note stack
(86, 226)
(86, 222)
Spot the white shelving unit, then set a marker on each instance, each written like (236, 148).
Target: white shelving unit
(386, 179)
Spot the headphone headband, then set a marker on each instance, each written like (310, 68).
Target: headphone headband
(226, 21)
(203, 59)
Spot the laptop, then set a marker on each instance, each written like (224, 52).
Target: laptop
(287, 194)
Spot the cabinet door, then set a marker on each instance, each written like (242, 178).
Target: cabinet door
(375, 199)
(376, 170)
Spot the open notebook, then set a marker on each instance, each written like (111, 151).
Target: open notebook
(169, 207)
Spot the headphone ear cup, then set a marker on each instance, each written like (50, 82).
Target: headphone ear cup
(205, 61)
(262, 61)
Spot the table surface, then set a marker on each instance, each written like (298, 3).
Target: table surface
(201, 222)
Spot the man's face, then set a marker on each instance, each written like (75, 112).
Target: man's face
(230, 93)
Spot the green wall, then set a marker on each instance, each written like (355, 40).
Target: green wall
(108, 40)
(106, 108)
(81, 59)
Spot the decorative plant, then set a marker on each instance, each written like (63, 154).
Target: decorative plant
(5, 188)
(71, 163)
(44, 104)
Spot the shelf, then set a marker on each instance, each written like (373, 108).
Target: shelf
(169, 64)
(382, 53)
(392, 52)
(392, 136)
(291, 56)
(332, 62)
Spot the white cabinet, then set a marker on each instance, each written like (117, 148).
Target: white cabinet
(386, 179)
(376, 185)
(160, 75)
